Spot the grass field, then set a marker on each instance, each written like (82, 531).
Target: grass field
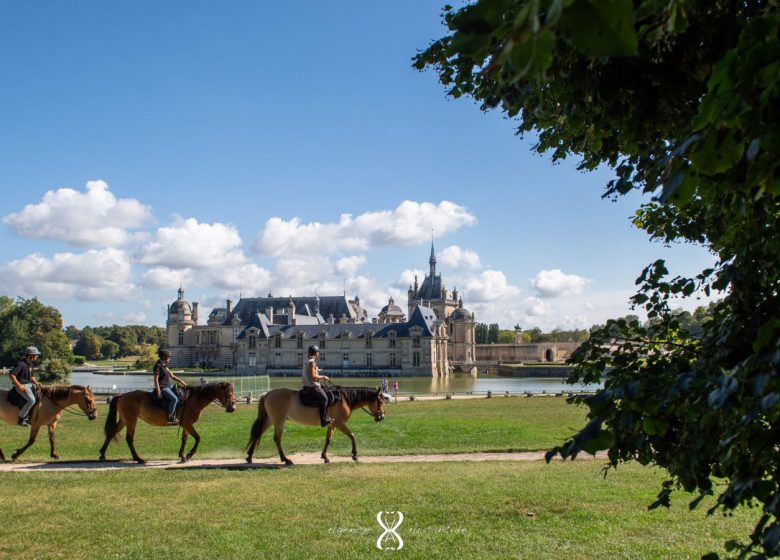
(499, 424)
(469, 510)
(452, 510)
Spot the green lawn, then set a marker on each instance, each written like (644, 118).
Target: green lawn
(452, 510)
(499, 424)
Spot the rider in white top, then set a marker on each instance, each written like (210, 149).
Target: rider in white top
(310, 377)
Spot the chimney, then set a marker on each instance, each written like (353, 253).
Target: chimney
(195, 312)
(269, 312)
(229, 305)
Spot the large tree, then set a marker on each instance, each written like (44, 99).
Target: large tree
(681, 98)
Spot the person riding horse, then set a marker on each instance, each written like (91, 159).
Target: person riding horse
(311, 378)
(23, 379)
(162, 384)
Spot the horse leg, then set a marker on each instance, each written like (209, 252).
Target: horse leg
(343, 427)
(184, 435)
(119, 426)
(196, 437)
(328, 437)
(33, 435)
(52, 428)
(2, 456)
(278, 429)
(129, 438)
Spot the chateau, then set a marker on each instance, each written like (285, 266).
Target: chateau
(271, 334)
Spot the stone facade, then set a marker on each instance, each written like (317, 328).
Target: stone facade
(272, 335)
(448, 307)
(489, 355)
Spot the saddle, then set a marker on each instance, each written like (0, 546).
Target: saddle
(162, 402)
(309, 397)
(19, 401)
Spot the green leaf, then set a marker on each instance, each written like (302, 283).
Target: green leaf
(654, 426)
(598, 443)
(601, 28)
(533, 57)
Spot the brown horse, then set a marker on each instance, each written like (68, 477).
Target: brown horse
(47, 412)
(278, 405)
(138, 404)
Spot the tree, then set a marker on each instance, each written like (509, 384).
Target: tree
(54, 370)
(481, 333)
(26, 322)
(109, 349)
(493, 331)
(506, 337)
(89, 345)
(71, 332)
(680, 99)
(147, 356)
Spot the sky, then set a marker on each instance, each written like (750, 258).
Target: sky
(245, 148)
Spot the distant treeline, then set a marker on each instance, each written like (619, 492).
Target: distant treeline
(95, 343)
(492, 333)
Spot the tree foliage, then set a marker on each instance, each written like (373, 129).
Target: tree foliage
(680, 99)
(28, 322)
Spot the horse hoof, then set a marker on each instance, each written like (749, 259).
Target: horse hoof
(249, 460)
(326, 460)
(182, 460)
(140, 461)
(354, 458)
(55, 456)
(288, 463)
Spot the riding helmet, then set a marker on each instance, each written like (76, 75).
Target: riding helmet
(313, 349)
(164, 353)
(32, 351)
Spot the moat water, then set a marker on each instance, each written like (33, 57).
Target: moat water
(418, 385)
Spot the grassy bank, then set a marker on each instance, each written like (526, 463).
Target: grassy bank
(475, 510)
(499, 424)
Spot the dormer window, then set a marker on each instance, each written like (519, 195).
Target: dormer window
(369, 339)
(299, 340)
(278, 340)
(323, 337)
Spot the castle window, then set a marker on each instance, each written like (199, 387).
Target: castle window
(346, 358)
(299, 359)
(278, 340)
(323, 336)
(415, 359)
(416, 341)
(299, 340)
(391, 337)
(252, 341)
(369, 359)
(369, 339)
(236, 332)
(392, 359)
(252, 360)
(181, 338)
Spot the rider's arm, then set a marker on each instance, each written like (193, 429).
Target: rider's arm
(156, 382)
(177, 379)
(313, 373)
(12, 377)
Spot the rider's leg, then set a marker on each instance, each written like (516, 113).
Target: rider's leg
(173, 401)
(29, 396)
(324, 420)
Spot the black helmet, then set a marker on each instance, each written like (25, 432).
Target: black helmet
(164, 353)
(313, 349)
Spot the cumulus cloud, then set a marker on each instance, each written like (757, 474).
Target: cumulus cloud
(406, 225)
(348, 266)
(490, 285)
(98, 274)
(455, 257)
(93, 218)
(553, 283)
(136, 317)
(406, 278)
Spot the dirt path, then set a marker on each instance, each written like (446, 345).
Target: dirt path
(272, 462)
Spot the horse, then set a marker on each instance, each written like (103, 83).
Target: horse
(47, 412)
(278, 405)
(138, 404)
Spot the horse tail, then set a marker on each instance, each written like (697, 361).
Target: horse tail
(257, 427)
(111, 419)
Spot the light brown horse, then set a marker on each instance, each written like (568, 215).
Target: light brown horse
(47, 412)
(278, 405)
(138, 404)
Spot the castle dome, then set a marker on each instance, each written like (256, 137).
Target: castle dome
(180, 305)
(461, 313)
(391, 310)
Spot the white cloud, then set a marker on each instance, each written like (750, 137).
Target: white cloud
(455, 257)
(490, 285)
(136, 317)
(93, 218)
(406, 225)
(406, 278)
(553, 283)
(98, 274)
(348, 266)
(190, 244)
(162, 277)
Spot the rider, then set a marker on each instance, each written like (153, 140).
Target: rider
(23, 379)
(162, 384)
(311, 378)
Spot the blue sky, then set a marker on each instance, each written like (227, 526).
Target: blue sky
(215, 135)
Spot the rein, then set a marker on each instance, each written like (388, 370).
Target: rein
(66, 408)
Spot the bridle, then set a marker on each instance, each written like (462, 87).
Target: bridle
(91, 414)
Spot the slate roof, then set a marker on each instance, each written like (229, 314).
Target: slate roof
(246, 308)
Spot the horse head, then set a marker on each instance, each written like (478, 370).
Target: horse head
(87, 404)
(377, 406)
(226, 398)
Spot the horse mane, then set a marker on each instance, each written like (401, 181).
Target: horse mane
(208, 390)
(355, 396)
(57, 392)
